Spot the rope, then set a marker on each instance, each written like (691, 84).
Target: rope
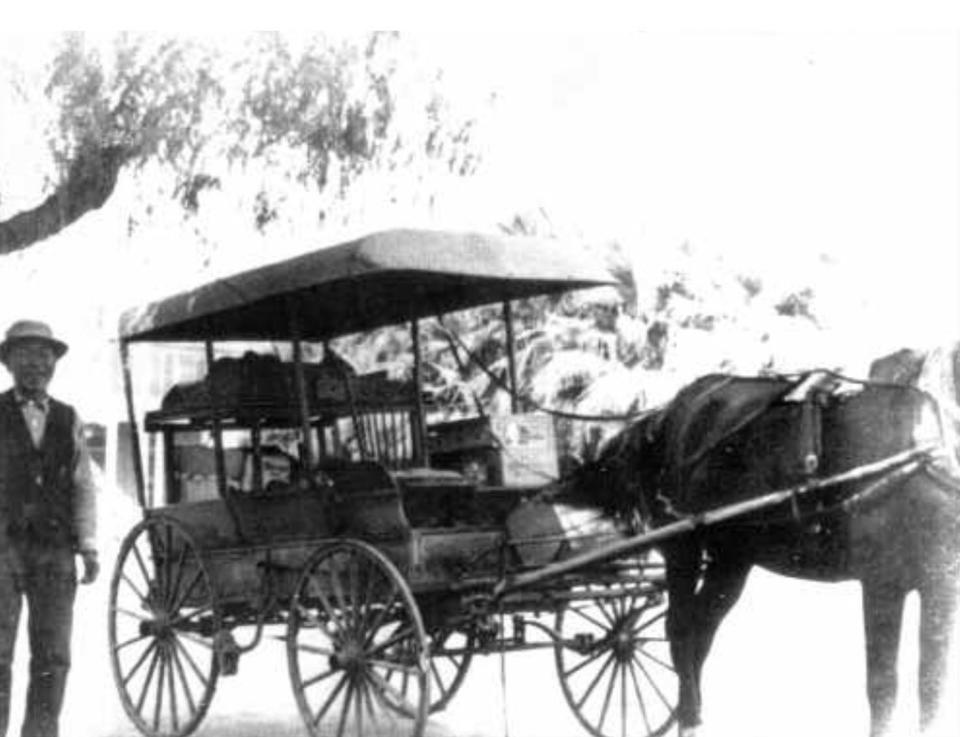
(498, 381)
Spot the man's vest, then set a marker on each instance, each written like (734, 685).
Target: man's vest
(36, 484)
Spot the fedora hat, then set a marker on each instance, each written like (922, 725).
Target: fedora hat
(24, 330)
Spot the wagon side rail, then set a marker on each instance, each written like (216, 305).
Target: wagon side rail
(889, 470)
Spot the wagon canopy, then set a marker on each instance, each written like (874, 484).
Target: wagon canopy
(380, 279)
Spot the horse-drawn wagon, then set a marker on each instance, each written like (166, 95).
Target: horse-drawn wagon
(286, 493)
(387, 545)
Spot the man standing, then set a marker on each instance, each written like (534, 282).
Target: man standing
(47, 516)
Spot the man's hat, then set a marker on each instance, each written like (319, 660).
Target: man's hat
(23, 330)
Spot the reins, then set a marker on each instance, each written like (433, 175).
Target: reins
(563, 414)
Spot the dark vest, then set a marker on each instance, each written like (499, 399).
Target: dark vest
(36, 484)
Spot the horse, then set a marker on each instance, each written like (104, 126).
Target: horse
(726, 439)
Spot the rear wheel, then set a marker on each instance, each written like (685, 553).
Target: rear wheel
(356, 646)
(614, 662)
(162, 618)
(451, 652)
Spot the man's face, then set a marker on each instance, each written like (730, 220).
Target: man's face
(32, 363)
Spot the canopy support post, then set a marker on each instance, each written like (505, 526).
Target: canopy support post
(217, 426)
(420, 455)
(309, 452)
(511, 357)
(132, 419)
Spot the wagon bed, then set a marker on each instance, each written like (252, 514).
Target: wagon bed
(282, 494)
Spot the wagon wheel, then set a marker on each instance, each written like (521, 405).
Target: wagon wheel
(162, 618)
(614, 662)
(451, 652)
(356, 646)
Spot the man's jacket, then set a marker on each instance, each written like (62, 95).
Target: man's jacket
(36, 484)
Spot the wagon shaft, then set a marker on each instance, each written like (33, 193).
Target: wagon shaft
(889, 467)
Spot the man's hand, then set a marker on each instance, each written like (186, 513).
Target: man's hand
(91, 566)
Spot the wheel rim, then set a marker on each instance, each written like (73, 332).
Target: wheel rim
(615, 668)
(163, 614)
(451, 652)
(356, 647)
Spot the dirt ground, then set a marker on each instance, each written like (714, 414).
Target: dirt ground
(788, 660)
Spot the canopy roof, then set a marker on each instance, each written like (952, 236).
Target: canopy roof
(381, 279)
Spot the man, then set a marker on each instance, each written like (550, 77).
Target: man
(47, 516)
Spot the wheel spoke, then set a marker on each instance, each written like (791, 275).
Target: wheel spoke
(158, 707)
(656, 688)
(640, 700)
(592, 620)
(397, 637)
(585, 662)
(346, 708)
(358, 705)
(165, 550)
(607, 696)
(178, 604)
(651, 621)
(339, 596)
(175, 584)
(173, 693)
(658, 661)
(175, 657)
(365, 689)
(135, 615)
(131, 641)
(190, 661)
(129, 581)
(332, 613)
(382, 687)
(140, 661)
(143, 567)
(147, 680)
(594, 682)
(328, 702)
(381, 615)
(623, 700)
(323, 675)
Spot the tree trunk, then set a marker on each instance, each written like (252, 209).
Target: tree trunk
(88, 185)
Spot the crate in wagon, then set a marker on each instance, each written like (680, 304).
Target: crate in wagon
(502, 450)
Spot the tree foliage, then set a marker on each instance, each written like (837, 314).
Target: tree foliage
(198, 111)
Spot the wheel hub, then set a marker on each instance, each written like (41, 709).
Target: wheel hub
(349, 655)
(159, 626)
(623, 645)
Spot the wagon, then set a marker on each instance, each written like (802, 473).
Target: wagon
(285, 495)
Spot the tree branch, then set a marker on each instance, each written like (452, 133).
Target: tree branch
(88, 185)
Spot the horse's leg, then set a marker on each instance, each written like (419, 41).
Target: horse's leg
(882, 615)
(723, 582)
(683, 572)
(938, 608)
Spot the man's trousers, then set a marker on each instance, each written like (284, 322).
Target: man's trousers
(46, 579)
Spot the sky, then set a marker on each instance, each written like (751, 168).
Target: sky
(810, 157)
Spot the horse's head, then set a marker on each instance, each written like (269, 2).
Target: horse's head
(622, 475)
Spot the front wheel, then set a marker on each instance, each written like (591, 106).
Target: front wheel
(162, 619)
(356, 646)
(614, 662)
